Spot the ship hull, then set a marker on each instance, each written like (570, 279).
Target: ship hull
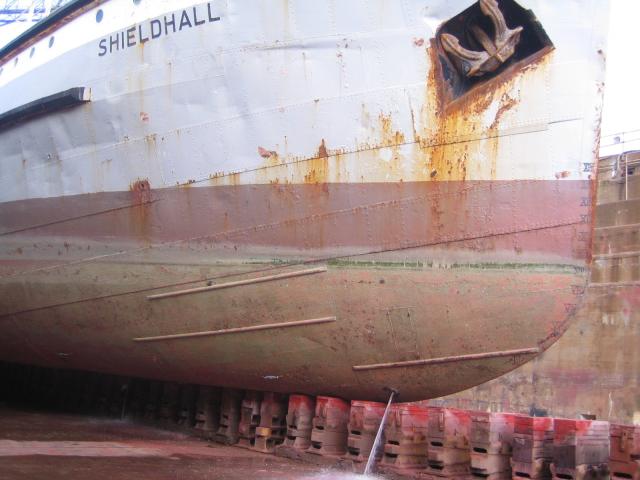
(389, 303)
(339, 237)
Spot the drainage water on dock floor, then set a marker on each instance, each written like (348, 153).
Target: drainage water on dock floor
(35, 444)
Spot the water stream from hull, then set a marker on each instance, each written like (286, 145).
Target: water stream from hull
(376, 443)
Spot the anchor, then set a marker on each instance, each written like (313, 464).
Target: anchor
(497, 51)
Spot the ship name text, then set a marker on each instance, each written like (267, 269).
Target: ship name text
(157, 27)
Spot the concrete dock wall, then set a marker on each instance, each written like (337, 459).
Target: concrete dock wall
(595, 367)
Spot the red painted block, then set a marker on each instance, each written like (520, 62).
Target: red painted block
(299, 421)
(448, 434)
(624, 455)
(364, 421)
(532, 447)
(580, 449)
(406, 433)
(273, 422)
(329, 433)
(491, 440)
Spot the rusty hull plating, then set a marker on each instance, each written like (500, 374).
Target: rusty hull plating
(407, 230)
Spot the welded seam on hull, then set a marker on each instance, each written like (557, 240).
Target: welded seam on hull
(79, 217)
(454, 358)
(535, 128)
(226, 331)
(239, 283)
(520, 128)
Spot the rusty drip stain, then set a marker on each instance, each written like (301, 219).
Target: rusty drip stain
(141, 191)
(139, 215)
(488, 89)
(340, 170)
(442, 156)
(506, 103)
(314, 170)
(457, 142)
(322, 150)
(151, 140)
(234, 179)
(386, 129)
(453, 140)
(317, 170)
(389, 137)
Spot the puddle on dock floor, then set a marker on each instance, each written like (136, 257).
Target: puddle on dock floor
(36, 444)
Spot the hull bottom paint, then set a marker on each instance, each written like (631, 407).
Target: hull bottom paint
(338, 289)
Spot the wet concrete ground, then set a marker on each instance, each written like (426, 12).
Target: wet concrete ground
(35, 444)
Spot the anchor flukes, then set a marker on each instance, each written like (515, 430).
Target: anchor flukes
(474, 63)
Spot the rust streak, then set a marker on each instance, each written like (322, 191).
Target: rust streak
(506, 104)
(141, 196)
(322, 150)
(141, 191)
(79, 217)
(458, 142)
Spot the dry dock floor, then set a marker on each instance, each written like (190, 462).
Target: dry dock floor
(45, 445)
